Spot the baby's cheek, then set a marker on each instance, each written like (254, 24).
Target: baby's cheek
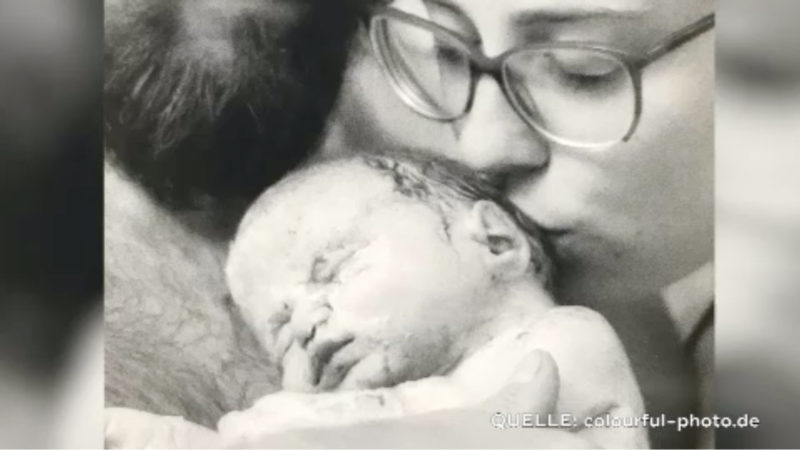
(379, 370)
(401, 359)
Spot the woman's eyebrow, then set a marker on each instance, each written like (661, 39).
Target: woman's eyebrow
(567, 14)
(447, 5)
(563, 11)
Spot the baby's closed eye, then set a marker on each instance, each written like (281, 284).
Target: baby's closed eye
(327, 266)
(280, 317)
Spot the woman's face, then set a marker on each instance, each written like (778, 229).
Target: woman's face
(626, 219)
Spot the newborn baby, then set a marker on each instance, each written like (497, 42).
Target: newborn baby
(374, 271)
(371, 271)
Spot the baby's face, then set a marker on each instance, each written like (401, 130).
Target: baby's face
(351, 285)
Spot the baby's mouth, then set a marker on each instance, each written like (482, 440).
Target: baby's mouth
(320, 362)
(329, 364)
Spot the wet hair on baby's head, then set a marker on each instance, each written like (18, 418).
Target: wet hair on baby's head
(446, 185)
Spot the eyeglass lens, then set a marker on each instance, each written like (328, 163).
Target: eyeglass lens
(579, 96)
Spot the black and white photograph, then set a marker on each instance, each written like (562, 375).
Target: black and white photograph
(408, 223)
(399, 224)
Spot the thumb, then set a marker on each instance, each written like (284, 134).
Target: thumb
(532, 387)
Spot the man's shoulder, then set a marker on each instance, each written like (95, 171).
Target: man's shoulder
(173, 345)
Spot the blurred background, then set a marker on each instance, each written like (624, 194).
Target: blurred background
(758, 220)
(50, 223)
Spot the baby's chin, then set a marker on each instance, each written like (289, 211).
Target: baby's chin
(372, 370)
(380, 370)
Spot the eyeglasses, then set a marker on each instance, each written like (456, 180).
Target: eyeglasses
(580, 94)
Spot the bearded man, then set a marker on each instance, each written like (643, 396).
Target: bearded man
(206, 103)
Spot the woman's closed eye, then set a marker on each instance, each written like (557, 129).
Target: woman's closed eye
(583, 71)
(449, 54)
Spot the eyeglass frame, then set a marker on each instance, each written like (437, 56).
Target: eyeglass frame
(480, 65)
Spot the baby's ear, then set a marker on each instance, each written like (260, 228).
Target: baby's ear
(507, 249)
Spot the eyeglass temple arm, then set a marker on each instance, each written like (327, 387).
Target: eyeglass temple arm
(679, 38)
(368, 8)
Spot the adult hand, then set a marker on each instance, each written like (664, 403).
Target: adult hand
(398, 416)
(517, 372)
(392, 417)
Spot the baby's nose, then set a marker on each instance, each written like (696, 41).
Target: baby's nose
(306, 318)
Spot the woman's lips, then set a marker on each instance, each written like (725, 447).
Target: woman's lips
(564, 244)
(554, 233)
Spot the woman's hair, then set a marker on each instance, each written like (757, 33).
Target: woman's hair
(446, 184)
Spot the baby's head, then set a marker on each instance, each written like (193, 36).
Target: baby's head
(377, 269)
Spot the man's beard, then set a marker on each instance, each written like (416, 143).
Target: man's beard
(206, 125)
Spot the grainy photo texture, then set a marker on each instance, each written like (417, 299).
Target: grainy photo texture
(408, 223)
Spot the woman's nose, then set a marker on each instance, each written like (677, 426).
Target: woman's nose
(493, 139)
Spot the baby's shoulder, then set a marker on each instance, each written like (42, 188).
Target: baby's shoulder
(578, 331)
(580, 319)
